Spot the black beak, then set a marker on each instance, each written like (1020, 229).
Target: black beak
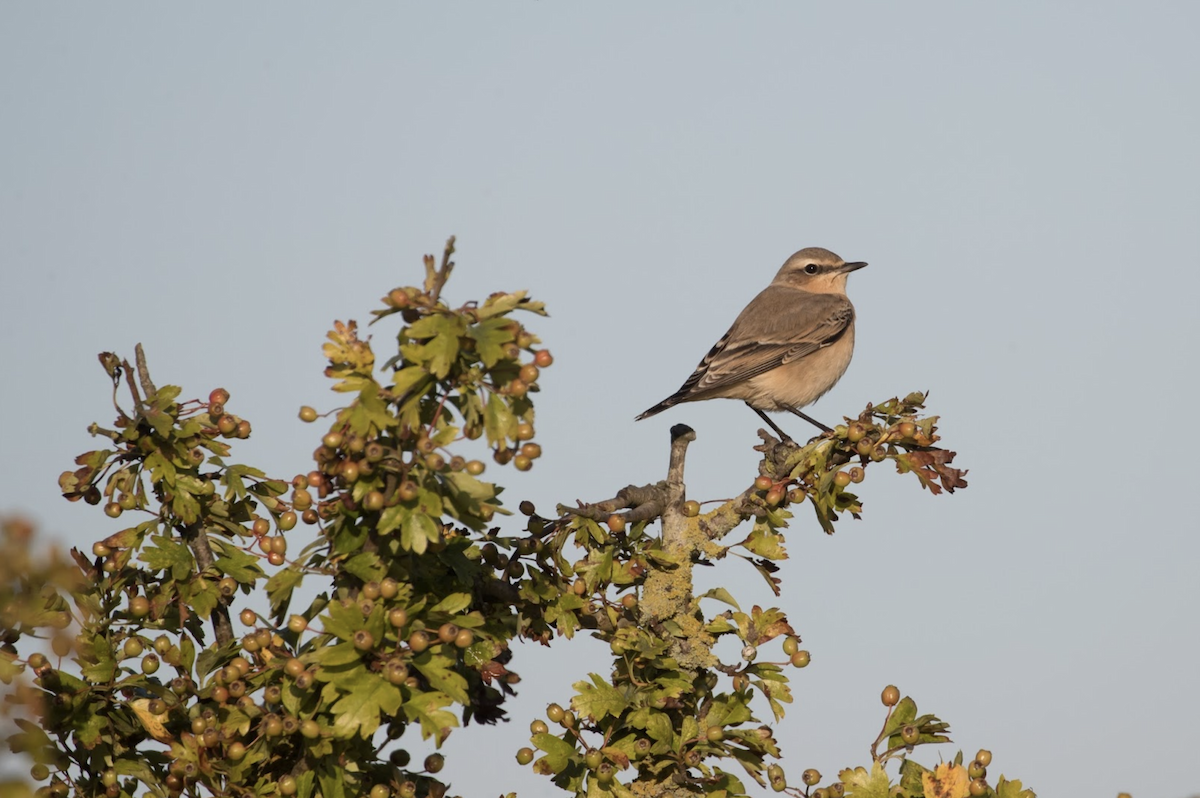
(851, 267)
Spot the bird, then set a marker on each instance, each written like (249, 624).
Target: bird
(787, 348)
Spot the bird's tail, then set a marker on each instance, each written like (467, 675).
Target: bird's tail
(670, 401)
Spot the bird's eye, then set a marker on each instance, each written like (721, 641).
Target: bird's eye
(812, 268)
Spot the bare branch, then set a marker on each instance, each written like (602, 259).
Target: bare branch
(644, 502)
(674, 521)
(197, 540)
(143, 371)
(438, 279)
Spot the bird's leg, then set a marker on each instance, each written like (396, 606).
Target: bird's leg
(809, 419)
(782, 435)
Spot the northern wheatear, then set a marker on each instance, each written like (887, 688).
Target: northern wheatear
(789, 346)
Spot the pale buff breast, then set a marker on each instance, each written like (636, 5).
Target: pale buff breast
(800, 382)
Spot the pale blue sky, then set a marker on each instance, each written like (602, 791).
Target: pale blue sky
(222, 181)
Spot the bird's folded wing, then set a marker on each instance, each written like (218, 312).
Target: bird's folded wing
(770, 332)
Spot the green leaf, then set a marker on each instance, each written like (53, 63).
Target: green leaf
(658, 726)
(371, 414)
(1012, 789)
(438, 670)
(90, 724)
(412, 379)
(599, 699)
(9, 669)
(162, 422)
(185, 507)
(280, 587)
(333, 783)
(162, 470)
(418, 531)
(499, 421)
(392, 518)
(426, 708)
(165, 396)
(490, 336)
(721, 594)
(429, 326)
(342, 620)
(30, 738)
(234, 562)
(442, 351)
(911, 775)
(904, 713)
(861, 784)
(453, 603)
(365, 565)
(96, 654)
(728, 710)
(201, 595)
(558, 751)
(469, 486)
(765, 542)
(338, 655)
(357, 713)
(187, 652)
(304, 784)
(168, 555)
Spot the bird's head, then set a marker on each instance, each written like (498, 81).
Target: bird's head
(817, 271)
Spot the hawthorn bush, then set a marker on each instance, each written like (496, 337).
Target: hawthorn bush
(125, 676)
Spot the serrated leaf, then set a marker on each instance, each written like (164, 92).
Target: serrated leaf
(490, 336)
(410, 379)
(453, 603)
(599, 699)
(365, 565)
(100, 665)
(658, 726)
(765, 542)
(861, 784)
(333, 783)
(721, 594)
(357, 713)
(201, 595)
(498, 420)
(392, 518)
(371, 414)
(418, 531)
(280, 587)
(558, 751)
(426, 708)
(1012, 789)
(166, 554)
(342, 620)
(234, 562)
(437, 669)
(470, 486)
(944, 781)
(728, 710)
(720, 625)
(335, 656)
(185, 507)
(910, 776)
